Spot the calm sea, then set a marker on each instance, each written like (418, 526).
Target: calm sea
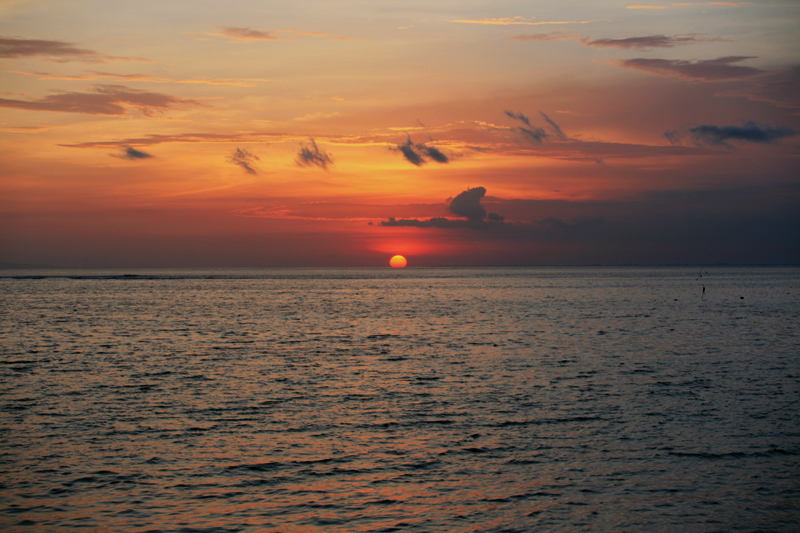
(502, 399)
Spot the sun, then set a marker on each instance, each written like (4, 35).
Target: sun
(398, 261)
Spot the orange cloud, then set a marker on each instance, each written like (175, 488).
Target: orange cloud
(55, 51)
(109, 100)
(519, 20)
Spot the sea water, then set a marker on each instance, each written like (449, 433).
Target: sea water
(497, 399)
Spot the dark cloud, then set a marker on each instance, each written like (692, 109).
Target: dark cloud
(532, 133)
(434, 153)
(109, 100)
(674, 137)
(416, 153)
(435, 222)
(468, 204)
(133, 154)
(518, 116)
(313, 156)
(577, 223)
(648, 41)
(749, 131)
(407, 149)
(780, 88)
(556, 128)
(753, 225)
(54, 50)
(721, 69)
(244, 159)
(444, 223)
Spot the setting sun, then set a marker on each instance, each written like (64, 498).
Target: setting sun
(398, 261)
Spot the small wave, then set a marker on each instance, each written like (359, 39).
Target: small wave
(734, 455)
(544, 421)
(258, 467)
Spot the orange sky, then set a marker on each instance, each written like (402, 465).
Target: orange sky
(309, 133)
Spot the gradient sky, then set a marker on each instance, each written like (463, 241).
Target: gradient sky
(264, 133)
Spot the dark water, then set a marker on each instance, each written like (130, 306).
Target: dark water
(415, 400)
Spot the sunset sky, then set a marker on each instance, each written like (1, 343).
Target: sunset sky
(256, 133)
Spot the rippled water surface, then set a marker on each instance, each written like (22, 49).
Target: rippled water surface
(400, 400)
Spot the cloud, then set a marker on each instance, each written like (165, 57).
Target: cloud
(416, 153)
(721, 69)
(649, 41)
(108, 100)
(95, 74)
(468, 204)
(247, 34)
(532, 133)
(243, 159)
(507, 21)
(646, 7)
(781, 89)
(749, 131)
(640, 43)
(54, 50)
(312, 156)
(407, 149)
(434, 153)
(133, 154)
(713, 4)
(578, 223)
(435, 222)
(543, 37)
(556, 128)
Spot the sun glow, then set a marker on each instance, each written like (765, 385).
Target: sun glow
(398, 261)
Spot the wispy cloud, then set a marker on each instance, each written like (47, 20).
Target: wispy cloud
(248, 34)
(530, 132)
(749, 131)
(683, 4)
(27, 129)
(544, 37)
(639, 43)
(555, 127)
(713, 4)
(649, 41)
(243, 159)
(781, 89)
(154, 139)
(509, 21)
(89, 75)
(128, 152)
(313, 156)
(721, 69)
(245, 34)
(109, 100)
(59, 51)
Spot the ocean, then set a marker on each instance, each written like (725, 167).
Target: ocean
(412, 400)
